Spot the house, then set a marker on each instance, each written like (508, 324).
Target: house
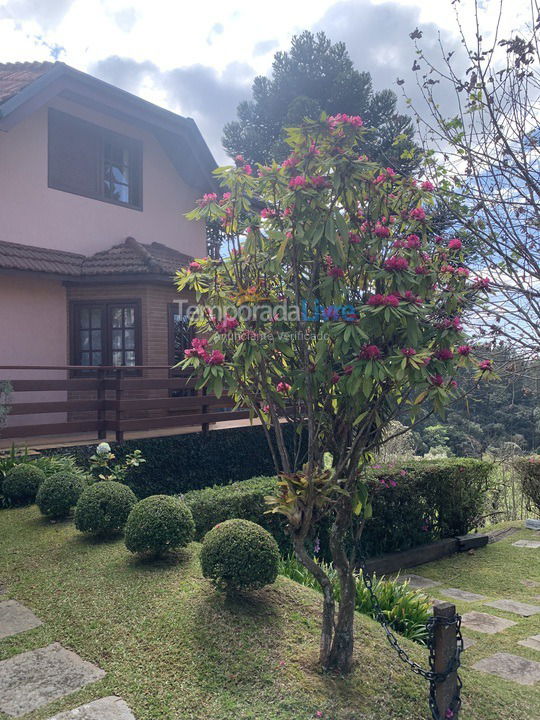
(94, 185)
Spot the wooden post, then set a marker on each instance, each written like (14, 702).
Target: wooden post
(101, 414)
(445, 647)
(118, 398)
(204, 410)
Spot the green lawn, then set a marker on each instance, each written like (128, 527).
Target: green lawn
(175, 649)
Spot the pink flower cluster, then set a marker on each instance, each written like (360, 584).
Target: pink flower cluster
(417, 214)
(379, 300)
(370, 352)
(228, 323)
(485, 365)
(455, 244)
(387, 174)
(426, 185)
(354, 120)
(408, 352)
(206, 199)
(195, 266)
(397, 263)
(381, 230)
(481, 283)
(292, 161)
(283, 387)
(444, 354)
(198, 349)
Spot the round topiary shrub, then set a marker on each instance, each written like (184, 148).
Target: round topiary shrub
(104, 507)
(239, 555)
(58, 493)
(157, 524)
(21, 484)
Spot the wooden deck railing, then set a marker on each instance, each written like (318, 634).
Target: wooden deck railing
(108, 399)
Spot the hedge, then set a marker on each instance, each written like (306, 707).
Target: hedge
(179, 463)
(414, 503)
(243, 499)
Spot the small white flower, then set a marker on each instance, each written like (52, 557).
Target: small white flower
(103, 449)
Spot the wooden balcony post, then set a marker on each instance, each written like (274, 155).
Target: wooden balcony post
(101, 413)
(204, 410)
(118, 397)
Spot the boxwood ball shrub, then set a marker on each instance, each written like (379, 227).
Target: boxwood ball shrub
(157, 524)
(239, 555)
(21, 484)
(104, 507)
(58, 493)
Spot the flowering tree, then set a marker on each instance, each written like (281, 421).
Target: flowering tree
(334, 309)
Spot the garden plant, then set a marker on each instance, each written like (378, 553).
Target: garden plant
(336, 307)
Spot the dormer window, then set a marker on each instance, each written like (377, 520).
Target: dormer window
(89, 160)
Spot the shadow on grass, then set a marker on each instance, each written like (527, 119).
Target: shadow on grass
(154, 563)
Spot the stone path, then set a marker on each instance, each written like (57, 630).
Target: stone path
(417, 582)
(512, 606)
(108, 708)
(463, 595)
(510, 667)
(531, 642)
(530, 583)
(484, 623)
(527, 543)
(34, 678)
(15, 618)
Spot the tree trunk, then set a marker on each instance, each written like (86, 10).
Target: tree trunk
(341, 654)
(329, 605)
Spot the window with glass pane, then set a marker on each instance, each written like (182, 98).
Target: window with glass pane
(123, 335)
(117, 169)
(92, 161)
(90, 336)
(106, 334)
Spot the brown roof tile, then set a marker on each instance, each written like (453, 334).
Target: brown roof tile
(134, 257)
(27, 257)
(130, 257)
(14, 77)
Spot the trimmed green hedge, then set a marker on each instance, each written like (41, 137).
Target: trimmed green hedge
(243, 499)
(179, 463)
(414, 504)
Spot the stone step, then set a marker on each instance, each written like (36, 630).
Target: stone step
(16, 618)
(531, 642)
(510, 667)
(484, 623)
(35, 678)
(107, 708)
(512, 606)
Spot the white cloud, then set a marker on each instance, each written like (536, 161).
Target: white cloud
(201, 63)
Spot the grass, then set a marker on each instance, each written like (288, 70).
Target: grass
(174, 648)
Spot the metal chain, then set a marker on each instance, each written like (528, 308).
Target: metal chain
(434, 678)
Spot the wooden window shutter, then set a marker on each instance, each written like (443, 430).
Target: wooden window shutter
(74, 155)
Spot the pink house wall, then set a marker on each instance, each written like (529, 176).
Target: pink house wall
(33, 331)
(33, 214)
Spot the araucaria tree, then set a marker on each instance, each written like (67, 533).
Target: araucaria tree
(334, 309)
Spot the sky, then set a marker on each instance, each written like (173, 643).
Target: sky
(200, 61)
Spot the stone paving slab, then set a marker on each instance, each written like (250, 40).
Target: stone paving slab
(463, 595)
(417, 582)
(527, 543)
(108, 708)
(532, 524)
(36, 677)
(510, 667)
(484, 623)
(531, 642)
(513, 606)
(15, 618)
